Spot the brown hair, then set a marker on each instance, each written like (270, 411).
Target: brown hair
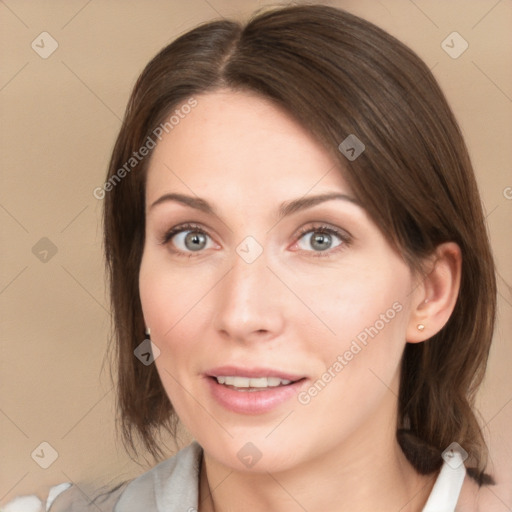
(337, 75)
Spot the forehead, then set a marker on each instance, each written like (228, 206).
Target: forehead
(239, 142)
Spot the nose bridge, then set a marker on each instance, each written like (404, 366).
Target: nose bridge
(248, 298)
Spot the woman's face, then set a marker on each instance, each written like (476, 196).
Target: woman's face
(275, 286)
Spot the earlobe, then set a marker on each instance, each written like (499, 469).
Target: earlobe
(436, 296)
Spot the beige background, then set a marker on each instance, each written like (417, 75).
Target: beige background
(60, 117)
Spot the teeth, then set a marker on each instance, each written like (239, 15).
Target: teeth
(258, 382)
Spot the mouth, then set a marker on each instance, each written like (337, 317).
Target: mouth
(252, 390)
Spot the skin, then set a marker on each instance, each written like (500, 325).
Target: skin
(289, 309)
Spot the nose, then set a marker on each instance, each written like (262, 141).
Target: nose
(249, 302)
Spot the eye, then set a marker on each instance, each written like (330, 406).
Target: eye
(322, 239)
(188, 238)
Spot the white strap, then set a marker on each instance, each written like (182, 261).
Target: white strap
(446, 490)
(54, 492)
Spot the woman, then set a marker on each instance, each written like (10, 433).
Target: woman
(299, 271)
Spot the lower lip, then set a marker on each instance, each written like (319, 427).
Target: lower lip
(252, 402)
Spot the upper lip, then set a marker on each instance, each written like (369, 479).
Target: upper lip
(253, 372)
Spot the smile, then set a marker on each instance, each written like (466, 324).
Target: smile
(251, 383)
(252, 390)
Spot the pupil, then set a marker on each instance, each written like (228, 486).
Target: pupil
(322, 240)
(195, 239)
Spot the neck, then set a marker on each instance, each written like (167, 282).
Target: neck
(367, 472)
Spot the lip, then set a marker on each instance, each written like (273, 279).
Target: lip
(252, 402)
(238, 371)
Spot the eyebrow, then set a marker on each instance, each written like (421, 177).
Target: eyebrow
(285, 209)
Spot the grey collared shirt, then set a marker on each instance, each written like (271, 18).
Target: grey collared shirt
(171, 486)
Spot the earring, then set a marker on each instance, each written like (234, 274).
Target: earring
(148, 331)
(420, 327)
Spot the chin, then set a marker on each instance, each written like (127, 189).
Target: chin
(253, 453)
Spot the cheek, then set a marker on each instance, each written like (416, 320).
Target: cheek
(170, 300)
(170, 296)
(360, 302)
(175, 306)
(357, 365)
(366, 312)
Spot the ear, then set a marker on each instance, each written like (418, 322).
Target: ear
(436, 294)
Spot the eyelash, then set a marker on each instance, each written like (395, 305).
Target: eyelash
(321, 228)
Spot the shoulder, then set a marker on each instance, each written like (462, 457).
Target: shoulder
(173, 482)
(77, 498)
(67, 497)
